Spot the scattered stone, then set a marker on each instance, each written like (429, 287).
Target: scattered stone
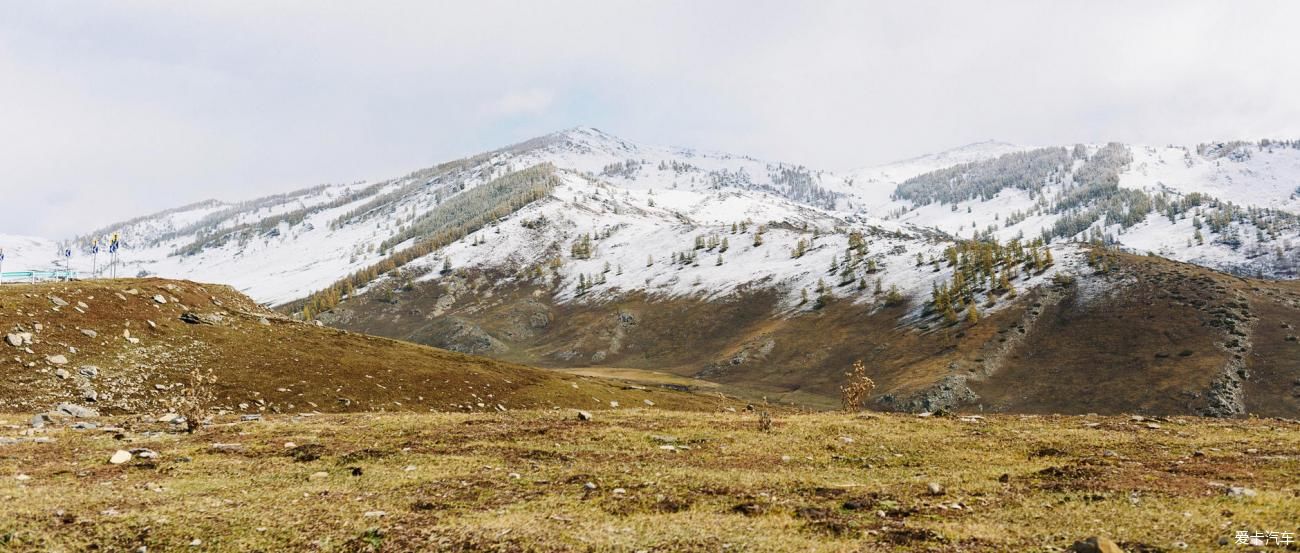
(196, 542)
(250, 417)
(619, 491)
(144, 453)
(613, 405)
(90, 333)
(58, 301)
(89, 371)
(190, 317)
(39, 420)
(14, 340)
(152, 325)
(375, 514)
(648, 403)
(934, 488)
(157, 298)
(584, 416)
(83, 425)
(170, 418)
(121, 456)
(1241, 491)
(319, 475)
(56, 359)
(76, 411)
(62, 374)
(22, 478)
(1095, 544)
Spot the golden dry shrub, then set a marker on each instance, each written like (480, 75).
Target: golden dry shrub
(193, 401)
(857, 387)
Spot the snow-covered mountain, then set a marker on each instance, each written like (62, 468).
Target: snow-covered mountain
(962, 278)
(644, 206)
(27, 253)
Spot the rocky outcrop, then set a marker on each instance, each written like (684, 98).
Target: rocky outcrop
(1226, 396)
(945, 395)
(466, 337)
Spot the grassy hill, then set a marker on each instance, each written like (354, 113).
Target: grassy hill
(651, 480)
(1127, 334)
(132, 345)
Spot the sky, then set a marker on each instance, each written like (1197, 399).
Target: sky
(114, 109)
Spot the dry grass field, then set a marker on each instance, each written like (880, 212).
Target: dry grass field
(649, 480)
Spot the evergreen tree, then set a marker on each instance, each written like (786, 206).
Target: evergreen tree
(894, 297)
(949, 314)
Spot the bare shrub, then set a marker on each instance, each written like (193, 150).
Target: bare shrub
(193, 401)
(856, 389)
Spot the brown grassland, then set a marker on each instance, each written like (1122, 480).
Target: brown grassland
(650, 480)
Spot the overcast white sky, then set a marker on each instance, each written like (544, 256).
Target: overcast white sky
(110, 110)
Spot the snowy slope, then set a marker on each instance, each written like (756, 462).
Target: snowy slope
(873, 186)
(28, 253)
(1254, 177)
(653, 201)
(639, 234)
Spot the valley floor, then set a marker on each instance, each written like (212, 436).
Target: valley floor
(643, 480)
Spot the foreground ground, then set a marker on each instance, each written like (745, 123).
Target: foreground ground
(645, 480)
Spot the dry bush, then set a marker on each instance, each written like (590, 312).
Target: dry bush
(764, 422)
(193, 401)
(854, 392)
